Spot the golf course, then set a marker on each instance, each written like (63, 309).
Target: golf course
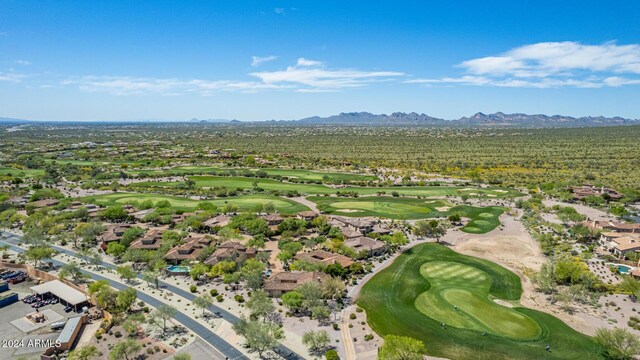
(6, 171)
(241, 182)
(244, 203)
(430, 285)
(482, 219)
(300, 174)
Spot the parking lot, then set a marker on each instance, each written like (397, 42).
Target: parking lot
(14, 326)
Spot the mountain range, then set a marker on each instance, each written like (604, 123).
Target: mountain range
(498, 119)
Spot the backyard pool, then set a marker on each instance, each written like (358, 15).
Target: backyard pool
(178, 270)
(624, 269)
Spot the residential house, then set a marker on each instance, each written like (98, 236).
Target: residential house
(367, 245)
(306, 215)
(614, 226)
(216, 221)
(190, 250)
(283, 282)
(581, 192)
(231, 250)
(273, 219)
(620, 244)
(113, 233)
(325, 258)
(360, 224)
(151, 240)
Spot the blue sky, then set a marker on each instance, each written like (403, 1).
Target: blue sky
(256, 60)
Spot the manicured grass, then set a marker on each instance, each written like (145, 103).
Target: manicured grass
(291, 173)
(233, 182)
(415, 294)
(244, 203)
(483, 219)
(4, 171)
(431, 191)
(317, 189)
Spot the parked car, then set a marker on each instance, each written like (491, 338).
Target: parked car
(68, 309)
(58, 326)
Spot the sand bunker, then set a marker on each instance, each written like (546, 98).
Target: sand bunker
(443, 208)
(347, 210)
(500, 191)
(503, 303)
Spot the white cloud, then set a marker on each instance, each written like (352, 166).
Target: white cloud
(257, 60)
(312, 76)
(23, 62)
(125, 85)
(306, 76)
(279, 11)
(307, 62)
(11, 77)
(552, 64)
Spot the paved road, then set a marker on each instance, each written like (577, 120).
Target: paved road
(224, 349)
(224, 314)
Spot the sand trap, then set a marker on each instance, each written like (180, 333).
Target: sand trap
(430, 201)
(443, 208)
(503, 303)
(348, 210)
(491, 195)
(467, 189)
(473, 194)
(501, 191)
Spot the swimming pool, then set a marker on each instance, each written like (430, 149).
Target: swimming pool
(178, 270)
(624, 269)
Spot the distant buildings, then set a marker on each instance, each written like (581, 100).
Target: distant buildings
(581, 192)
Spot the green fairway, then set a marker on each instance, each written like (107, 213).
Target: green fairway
(483, 219)
(5, 171)
(306, 175)
(240, 182)
(244, 203)
(421, 288)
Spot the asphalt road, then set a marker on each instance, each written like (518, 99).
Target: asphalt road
(224, 314)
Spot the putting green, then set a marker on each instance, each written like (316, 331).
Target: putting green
(482, 219)
(454, 284)
(419, 291)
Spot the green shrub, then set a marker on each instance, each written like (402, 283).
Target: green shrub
(213, 292)
(193, 288)
(331, 355)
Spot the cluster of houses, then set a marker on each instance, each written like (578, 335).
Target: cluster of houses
(581, 192)
(193, 246)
